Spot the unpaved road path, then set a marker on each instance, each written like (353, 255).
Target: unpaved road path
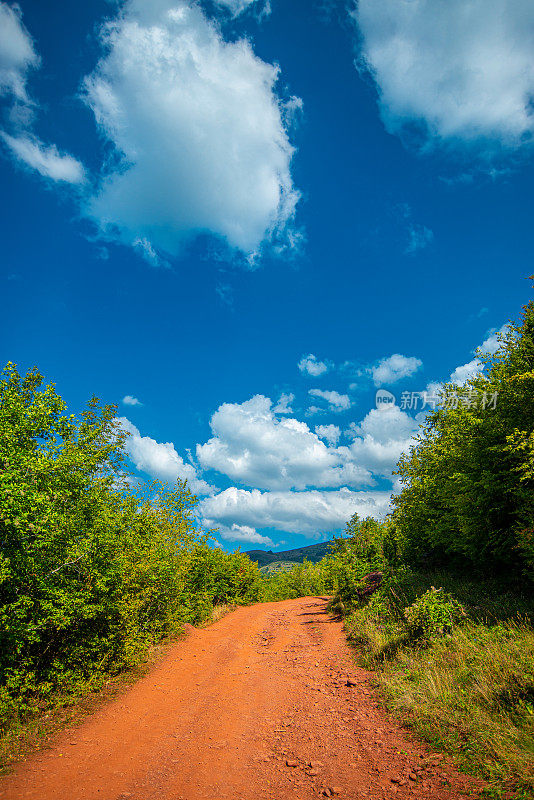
(255, 707)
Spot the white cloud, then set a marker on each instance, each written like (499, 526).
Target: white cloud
(46, 160)
(129, 400)
(160, 459)
(434, 388)
(489, 346)
(462, 68)
(313, 513)
(284, 404)
(493, 343)
(329, 432)
(467, 371)
(236, 7)
(244, 533)
(17, 57)
(394, 368)
(253, 447)
(419, 237)
(17, 54)
(148, 252)
(335, 400)
(310, 365)
(197, 131)
(381, 438)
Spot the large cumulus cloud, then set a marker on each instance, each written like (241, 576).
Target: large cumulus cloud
(198, 141)
(458, 69)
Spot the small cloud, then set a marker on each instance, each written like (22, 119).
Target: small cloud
(237, 7)
(129, 400)
(489, 346)
(461, 178)
(329, 432)
(493, 341)
(336, 401)
(146, 249)
(394, 368)
(292, 109)
(467, 371)
(310, 365)
(244, 533)
(17, 57)
(160, 459)
(17, 54)
(284, 404)
(46, 160)
(419, 237)
(226, 294)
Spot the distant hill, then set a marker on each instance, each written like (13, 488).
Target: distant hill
(313, 552)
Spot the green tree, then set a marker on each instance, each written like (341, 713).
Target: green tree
(468, 482)
(91, 570)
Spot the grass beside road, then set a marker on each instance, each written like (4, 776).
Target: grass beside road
(469, 693)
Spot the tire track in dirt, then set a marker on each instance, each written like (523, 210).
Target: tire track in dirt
(255, 707)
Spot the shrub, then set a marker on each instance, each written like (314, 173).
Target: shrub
(367, 546)
(432, 615)
(300, 580)
(91, 572)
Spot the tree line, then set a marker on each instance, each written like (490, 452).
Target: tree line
(93, 568)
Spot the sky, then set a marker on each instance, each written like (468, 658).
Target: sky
(250, 223)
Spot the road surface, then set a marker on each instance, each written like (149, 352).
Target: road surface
(266, 704)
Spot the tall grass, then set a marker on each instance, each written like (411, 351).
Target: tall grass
(470, 693)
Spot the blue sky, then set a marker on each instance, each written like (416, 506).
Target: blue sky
(245, 219)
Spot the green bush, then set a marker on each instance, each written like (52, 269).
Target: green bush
(468, 483)
(469, 692)
(432, 615)
(215, 577)
(366, 546)
(91, 572)
(300, 580)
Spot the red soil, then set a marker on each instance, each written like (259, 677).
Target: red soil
(255, 707)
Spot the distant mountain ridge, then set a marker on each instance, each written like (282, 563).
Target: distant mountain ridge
(313, 552)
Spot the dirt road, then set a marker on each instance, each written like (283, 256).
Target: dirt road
(255, 707)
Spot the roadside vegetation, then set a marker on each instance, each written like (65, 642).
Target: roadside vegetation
(437, 599)
(93, 571)
(297, 580)
(449, 632)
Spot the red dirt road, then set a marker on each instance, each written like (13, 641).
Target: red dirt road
(255, 707)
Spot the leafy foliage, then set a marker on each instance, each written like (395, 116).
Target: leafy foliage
(299, 580)
(468, 484)
(366, 546)
(91, 572)
(469, 692)
(432, 615)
